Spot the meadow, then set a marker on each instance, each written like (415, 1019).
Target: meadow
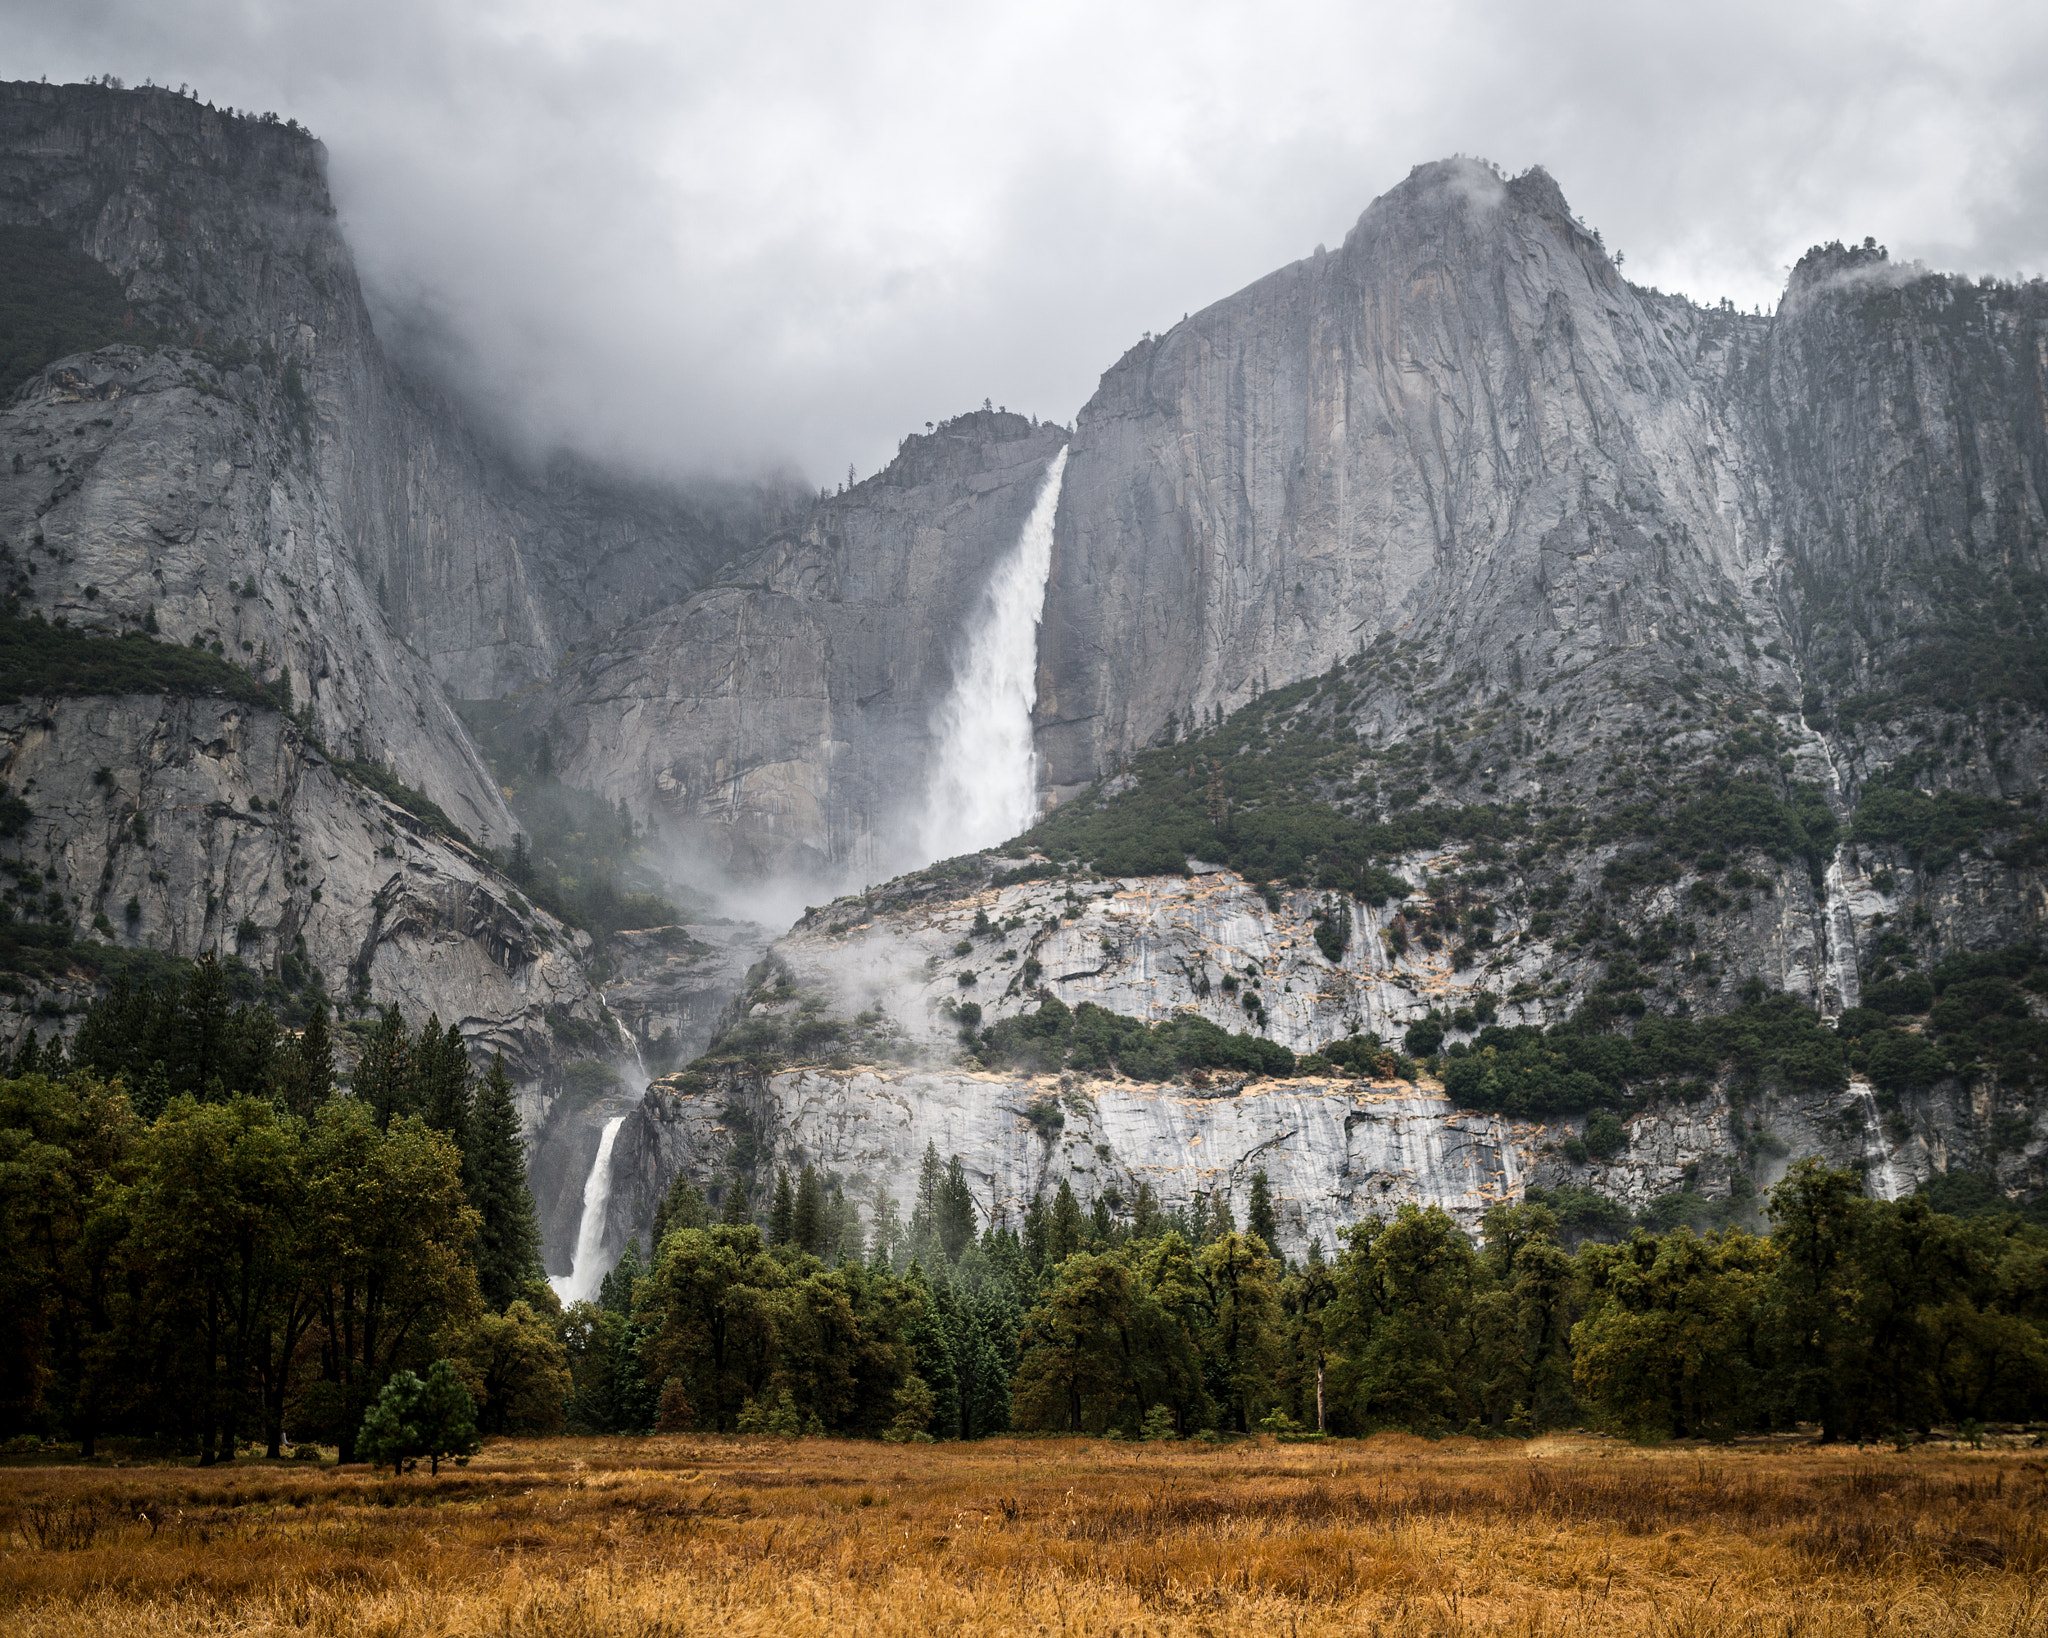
(1393, 1535)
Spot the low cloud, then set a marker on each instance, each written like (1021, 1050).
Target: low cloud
(711, 238)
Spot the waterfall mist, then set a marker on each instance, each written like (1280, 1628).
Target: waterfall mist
(983, 785)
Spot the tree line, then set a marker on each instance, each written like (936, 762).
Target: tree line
(212, 1244)
(238, 1252)
(1863, 1317)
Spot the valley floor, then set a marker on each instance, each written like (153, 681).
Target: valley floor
(1393, 1535)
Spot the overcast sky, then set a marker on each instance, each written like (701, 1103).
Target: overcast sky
(712, 236)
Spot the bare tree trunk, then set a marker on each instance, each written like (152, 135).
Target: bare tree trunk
(1319, 1394)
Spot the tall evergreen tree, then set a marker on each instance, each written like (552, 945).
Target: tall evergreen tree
(924, 1212)
(508, 1243)
(383, 1078)
(807, 1215)
(682, 1207)
(1259, 1216)
(733, 1211)
(1064, 1232)
(203, 1030)
(306, 1070)
(782, 1214)
(441, 1081)
(852, 1241)
(956, 1211)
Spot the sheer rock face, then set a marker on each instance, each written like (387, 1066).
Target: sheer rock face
(222, 234)
(1463, 421)
(250, 842)
(263, 480)
(1332, 1152)
(779, 721)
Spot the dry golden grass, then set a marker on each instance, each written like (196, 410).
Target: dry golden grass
(1392, 1536)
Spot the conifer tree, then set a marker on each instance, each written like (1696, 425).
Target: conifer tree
(441, 1078)
(924, 1214)
(956, 1211)
(508, 1243)
(782, 1214)
(202, 1030)
(1259, 1215)
(807, 1216)
(383, 1078)
(1063, 1233)
(888, 1231)
(681, 1208)
(615, 1291)
(734, 1213)
(852, 1242)
(306, 1073)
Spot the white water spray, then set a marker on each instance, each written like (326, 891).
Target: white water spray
(632, 1040)
(1838, 941)
(983, 787)
(1882, 1171)
(584, 1276)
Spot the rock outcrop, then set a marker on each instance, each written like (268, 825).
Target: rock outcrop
(193, 825)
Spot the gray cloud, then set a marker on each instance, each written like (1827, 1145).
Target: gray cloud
(714, 236)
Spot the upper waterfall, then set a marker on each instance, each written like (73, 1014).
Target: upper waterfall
(983, 785)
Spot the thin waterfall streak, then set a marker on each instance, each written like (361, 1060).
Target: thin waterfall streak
(983, 786)
(584, 1276)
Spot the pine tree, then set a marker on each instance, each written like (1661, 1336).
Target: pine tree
(734, 1213)
(1063, 1233)
(888, 1231)
(306, 1075)
(1038, 1236)
(807, 1216)
(1259, 1215)
(441, 1081)
(681, 1208)
(202, 1029)
(782, 1214)
(508, 1243)
(924, 1215)
(956, 1211)
(852, 1242)
(383, 1078)
(615, 1291)
(27, 1060)
(926, 1330)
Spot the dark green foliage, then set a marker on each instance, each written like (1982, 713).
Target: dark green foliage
(394, 790)
(1253, 794)
(1094, 1040)
(40, 660)
(1933, 831)
(807, 1215)
(1716, 816)
(434, 1417)
(184, 1036)
(508, 1241)
(1258, 1215)
(1978, 1021)
(606, 1340)
(682, 1207)
(54, 301)
(1579, 1065)
(782, 1212)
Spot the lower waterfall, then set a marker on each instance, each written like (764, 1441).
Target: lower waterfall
(983, 786)
(585, 1273)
